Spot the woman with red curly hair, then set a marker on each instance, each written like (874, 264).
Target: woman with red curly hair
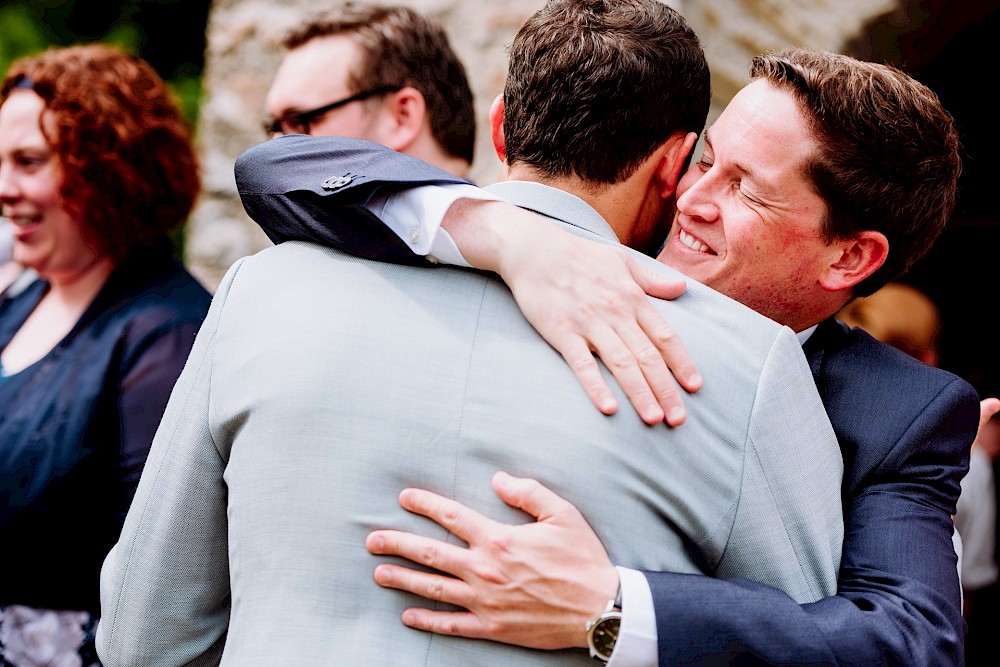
(96, 170)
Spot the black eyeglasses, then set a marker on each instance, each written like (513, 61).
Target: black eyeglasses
(298, 122)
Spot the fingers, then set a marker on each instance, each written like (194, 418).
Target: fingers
(654, 284)
(425, 584)
(434, 587)
(581, 360)
(643, 353)
(531, 496)
(454, 623)
(670, 347)
(437, 555)
(461, 521)
(654, 375)
(624, 353)
(660, 333)
(987, 408)
(639, 347)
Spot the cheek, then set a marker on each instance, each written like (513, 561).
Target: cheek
(687, 181)
(43, 191)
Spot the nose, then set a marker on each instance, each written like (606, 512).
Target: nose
(695, 195)
(8, 185)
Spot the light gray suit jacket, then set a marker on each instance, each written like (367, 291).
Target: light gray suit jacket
(321, 385)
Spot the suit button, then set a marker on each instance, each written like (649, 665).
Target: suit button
(337, 182)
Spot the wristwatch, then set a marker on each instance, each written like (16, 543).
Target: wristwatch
(602, 632)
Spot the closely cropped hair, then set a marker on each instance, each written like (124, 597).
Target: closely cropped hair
(129, 169)
(888, 155)
(401, 47)
(595, 86)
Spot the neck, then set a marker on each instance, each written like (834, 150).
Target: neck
(804, 310)
(613, 202)
(429, 150)
(80, 285)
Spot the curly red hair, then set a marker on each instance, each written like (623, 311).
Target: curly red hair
(129, 166)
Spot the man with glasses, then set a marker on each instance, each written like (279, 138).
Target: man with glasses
(381, 73)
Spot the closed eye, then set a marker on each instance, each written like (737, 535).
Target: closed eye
(748, 197)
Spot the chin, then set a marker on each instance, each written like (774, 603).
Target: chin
(29, 259)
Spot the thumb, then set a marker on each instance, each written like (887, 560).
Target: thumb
(529, 495)
(653, 283)
(987, 408)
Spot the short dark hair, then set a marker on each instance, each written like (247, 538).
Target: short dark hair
(401, 47)
(128, 164)
(595, 86)
(888, 155)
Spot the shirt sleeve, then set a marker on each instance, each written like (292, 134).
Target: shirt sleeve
(636, 645)
(416, 215)
(142, 398)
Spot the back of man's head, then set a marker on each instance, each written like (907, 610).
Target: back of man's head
(888, 158)
(595, 86)
(401, 47)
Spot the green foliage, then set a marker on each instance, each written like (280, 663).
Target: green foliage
(22, 35)
(188, 89)
(169, 34)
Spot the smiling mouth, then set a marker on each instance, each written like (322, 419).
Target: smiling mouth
(23, 220)
(693, 243)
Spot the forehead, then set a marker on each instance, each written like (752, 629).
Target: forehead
(20, 121)
(313, 74)
(763, 132)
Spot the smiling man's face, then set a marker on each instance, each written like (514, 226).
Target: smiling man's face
(748, 220)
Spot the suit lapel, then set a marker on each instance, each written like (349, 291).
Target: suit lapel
(827, 336)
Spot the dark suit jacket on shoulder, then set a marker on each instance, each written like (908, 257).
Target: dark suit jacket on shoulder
(905, 430)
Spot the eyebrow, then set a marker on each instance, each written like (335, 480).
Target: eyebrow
(739, 166)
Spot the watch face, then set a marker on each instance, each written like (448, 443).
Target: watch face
(605, 634)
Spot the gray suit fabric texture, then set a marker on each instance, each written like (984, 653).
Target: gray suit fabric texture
(321, 385)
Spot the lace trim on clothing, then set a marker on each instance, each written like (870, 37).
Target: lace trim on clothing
(32, 637)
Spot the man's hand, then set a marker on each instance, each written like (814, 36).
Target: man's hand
(535, 585)
(987, 408)
(584, 297)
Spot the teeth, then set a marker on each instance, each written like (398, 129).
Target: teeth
(692, 242)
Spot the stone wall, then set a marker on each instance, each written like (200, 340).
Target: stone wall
(244, 48)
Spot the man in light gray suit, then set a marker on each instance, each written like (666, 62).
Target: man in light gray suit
(321, 384)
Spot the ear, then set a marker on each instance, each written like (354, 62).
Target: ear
(496, 128)
(855, 260)
(929, 357)
(675, 157)
(405, 111)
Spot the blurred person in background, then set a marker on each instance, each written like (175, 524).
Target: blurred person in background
(382, 73)
(900, 315)
(97, 169)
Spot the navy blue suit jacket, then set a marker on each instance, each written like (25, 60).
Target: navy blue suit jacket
(904, 428)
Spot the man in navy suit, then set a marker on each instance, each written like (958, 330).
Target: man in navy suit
(814, 171)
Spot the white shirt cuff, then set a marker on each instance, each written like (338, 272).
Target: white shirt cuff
(636, 645)
(415, 216)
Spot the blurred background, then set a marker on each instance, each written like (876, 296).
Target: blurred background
(219, 56)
